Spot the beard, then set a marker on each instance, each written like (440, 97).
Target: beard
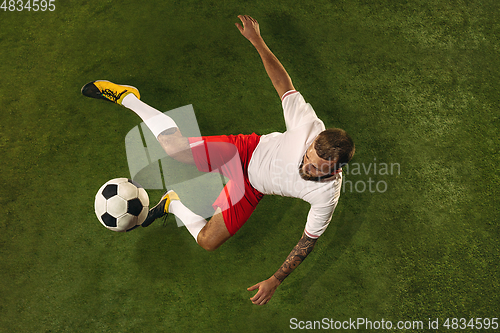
(307, 177)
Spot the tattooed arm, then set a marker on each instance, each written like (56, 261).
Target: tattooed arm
(298, 254)
(268, 287)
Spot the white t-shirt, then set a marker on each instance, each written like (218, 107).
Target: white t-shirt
(274, 166)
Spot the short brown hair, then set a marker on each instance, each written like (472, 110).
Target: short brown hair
(335, 143)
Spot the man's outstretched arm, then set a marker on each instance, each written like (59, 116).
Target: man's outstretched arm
(277, 73)
(268, 287)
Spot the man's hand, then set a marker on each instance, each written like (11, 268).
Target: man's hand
(250, 29)
(268, 287)
(277, 73)
(266, 290)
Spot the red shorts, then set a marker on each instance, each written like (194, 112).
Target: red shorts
(229, 155)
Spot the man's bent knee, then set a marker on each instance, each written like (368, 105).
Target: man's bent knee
(176, 146)
(214, 234)
(208, 244)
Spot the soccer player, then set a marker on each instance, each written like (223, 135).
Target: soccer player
(303, 162)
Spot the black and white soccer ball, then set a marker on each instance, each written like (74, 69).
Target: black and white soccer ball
(121, 204)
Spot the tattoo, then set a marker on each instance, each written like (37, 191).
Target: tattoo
(298, 254)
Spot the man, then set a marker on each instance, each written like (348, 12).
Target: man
(304, 162)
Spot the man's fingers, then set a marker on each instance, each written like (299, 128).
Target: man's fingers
(253, 287)
(246, 18)
(257, 298)
(261, 300)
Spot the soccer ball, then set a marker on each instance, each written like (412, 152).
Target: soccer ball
(121, 204)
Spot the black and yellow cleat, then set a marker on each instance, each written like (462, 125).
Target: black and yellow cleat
(161, 209)
(108, 91)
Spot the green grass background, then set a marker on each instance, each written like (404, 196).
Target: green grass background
(413, 82)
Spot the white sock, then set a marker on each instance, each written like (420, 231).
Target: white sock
(194, 223)
(156, 121)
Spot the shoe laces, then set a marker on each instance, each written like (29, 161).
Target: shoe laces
(112, 95)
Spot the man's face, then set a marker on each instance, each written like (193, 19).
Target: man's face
(313, 166)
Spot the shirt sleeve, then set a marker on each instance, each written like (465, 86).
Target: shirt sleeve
(296, 111)
(318, 219)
